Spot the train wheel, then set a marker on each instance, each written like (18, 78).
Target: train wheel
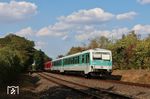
(87, 75)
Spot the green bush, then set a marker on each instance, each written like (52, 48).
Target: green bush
(10, 66)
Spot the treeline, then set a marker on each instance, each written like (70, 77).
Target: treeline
(129, 52)
(17, 55)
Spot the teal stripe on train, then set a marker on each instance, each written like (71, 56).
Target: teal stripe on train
(101, 63)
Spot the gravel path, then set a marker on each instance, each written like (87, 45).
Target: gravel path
(138, 92)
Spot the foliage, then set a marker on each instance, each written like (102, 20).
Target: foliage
(17, 56)
(22, 47)
(10, 65)
(40, 58)
(74, 50)
(129, 52)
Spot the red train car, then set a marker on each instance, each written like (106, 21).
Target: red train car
(47, 65)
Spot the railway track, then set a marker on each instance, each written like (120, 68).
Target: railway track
(95, 93)
(114, 81)
(128, 83)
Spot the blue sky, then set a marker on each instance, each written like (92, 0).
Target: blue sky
(57, 25)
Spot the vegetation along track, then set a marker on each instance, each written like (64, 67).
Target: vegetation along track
(92, 92)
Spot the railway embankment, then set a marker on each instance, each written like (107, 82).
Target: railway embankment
(125, 89)
(135, 76)
(27, 85)
(34, 87)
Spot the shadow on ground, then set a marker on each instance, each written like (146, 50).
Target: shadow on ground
(24, 81)
(66, 93)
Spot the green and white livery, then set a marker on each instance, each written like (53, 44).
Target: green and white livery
(93, 61)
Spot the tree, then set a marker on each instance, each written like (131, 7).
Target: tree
(74, 50)
(129, 52)
(16, 56)
(39, 60)
(103, 42)
(24, 48)
(47, 58)
(93, 44)
(10, 65)
(60, 56)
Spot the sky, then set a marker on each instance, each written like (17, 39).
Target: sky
(58, 25)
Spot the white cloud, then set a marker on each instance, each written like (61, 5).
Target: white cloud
(49, 31)
(76, 20)
(86, 36)
(15, 11)
(126, 16)
(88, 26)
(91, 16)
(143, 29)
(65, 37)
(39, 44)
(115, 33)
(25, 32)
(44, 31)
(87, 32)
(144, 1)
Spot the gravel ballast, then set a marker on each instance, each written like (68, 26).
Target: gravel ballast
(135, 91)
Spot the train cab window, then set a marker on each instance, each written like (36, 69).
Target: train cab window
(101, 56)
(106, 56)
(97, 56)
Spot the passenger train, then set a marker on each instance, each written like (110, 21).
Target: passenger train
(89, 62)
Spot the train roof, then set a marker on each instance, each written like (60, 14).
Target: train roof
(90, 50)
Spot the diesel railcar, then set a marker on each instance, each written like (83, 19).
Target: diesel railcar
(90, 62)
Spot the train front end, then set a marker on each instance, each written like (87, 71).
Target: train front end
(101, 62)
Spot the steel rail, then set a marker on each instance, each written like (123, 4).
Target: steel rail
(94, 92)
(116, 81)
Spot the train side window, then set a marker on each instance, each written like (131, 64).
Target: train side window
(82, 58)
(59, 62)
(73, 60)
(64, 62)
(87, 58)
(67, 61)
(70, 60)
(78, 60)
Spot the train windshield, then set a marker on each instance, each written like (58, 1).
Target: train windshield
(101, 56)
